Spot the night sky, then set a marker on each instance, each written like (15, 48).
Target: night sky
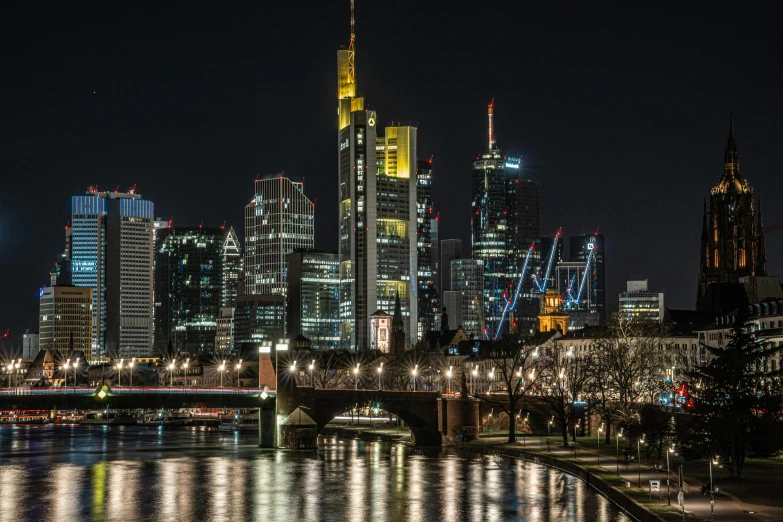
(622, 114)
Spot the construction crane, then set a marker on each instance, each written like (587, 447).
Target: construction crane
(542, 287)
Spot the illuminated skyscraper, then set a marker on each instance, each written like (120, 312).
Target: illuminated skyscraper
(450, 249)
(111, 252)
(590, 247)
(427, 250)
(377, 213)
(232, 266)
(278, 220)
(505, 221)
(65, 320)
(314, 297)
(188, 287)
(467, 276)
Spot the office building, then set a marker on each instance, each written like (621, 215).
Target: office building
(505, 222)
(573, 281)
(189, 287)
(278, 220)
(111, 253)
(639, 302)
(467, 276)
(231, 268)
(427, 251)
(450, 249)
(66, 320)
(589, 250)
(31, 345)
(314, 298)
(224, 332)
(259, 319)
(452, 306)
(377, 213)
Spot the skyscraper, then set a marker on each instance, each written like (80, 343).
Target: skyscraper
(450, 249)
(188, 287)
(505, 222)
(111, 252)
(232, 267)
(582, 248)
(427, 250)
(278, 220)
(377, 213)
(467, 276)
(732, 236)
(314, 298)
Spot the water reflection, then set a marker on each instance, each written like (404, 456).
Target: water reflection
(135, 474)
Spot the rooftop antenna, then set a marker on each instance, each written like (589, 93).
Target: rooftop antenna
(352, 52)
(490, 110)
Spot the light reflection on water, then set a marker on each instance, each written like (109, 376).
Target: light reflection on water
(135, 474)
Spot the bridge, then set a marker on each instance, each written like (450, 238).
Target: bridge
(431, 418)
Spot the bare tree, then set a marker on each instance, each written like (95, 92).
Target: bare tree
(566, 377)
(627, 359)
(517, 367)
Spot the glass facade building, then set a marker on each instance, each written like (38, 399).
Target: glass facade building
(314, 298)
(639, 302)
(278, 220)
(259, 319)
(189, 287)
(467, 276)
(111, 253)
(65, 317)
(427, 251)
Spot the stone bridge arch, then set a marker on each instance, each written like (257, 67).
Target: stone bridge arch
(419, 410)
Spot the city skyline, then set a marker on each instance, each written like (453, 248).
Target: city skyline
(682, 143)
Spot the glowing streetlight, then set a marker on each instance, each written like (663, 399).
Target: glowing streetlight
(356, 377)
(119, 373)
(413, 372)
(130, 365)
(171, 374)
(639, 443)
(712, 488)
(238, 368)
(598, 443)
(380, 370)
(66, 365)
(576, 426)
(448, 374)
(311, 367)
(668, 489)
(221, 369)
(473, 380)
(549, 426)
(185, 370)
(281, 346)
(617, 454)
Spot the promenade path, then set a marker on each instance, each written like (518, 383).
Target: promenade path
(728, 508)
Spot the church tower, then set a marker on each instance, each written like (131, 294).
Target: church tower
(732, 241)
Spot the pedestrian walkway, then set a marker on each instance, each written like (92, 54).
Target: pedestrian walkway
(727, 507)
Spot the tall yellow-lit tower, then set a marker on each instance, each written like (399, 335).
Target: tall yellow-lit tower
(346, 81)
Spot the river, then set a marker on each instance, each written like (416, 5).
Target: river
(137, 474)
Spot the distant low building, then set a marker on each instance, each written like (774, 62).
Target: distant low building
(637, 301)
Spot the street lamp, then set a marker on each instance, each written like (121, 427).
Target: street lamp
(119, 373)
(239, 369)
(415, 369)
(617, 455)
(712, 488)
(312, 365)
(448, 374)
(380, 369)
(668, 489)
(185, 371)
(65, 371)
(549, 426)
(524, 435)
(171, 374)
(356, 377)
(576, 425)
(281, 346)
(473, 380)
(598, 443)
(639, 443)
(130, 365)
(221, 369)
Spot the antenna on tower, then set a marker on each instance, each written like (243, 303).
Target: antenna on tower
(490, 110)
(352, 51)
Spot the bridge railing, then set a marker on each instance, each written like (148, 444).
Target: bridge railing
(140, 390)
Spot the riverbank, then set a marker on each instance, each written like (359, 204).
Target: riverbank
(367, 433)
(626, 477)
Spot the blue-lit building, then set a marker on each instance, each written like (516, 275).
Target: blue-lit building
(111, 252)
